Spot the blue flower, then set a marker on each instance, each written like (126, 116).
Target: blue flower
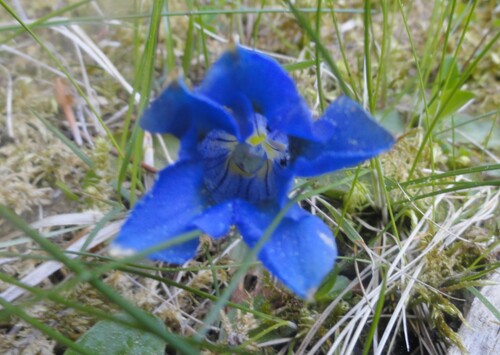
(245, 134)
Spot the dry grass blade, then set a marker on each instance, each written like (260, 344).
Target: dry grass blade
(8, 103)
(405, 266)
(46, 269)
(88, 218)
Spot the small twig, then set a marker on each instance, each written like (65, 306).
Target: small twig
(64, 98)
(144, 165)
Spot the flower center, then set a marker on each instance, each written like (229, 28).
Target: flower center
(248, 159)
(248, 169)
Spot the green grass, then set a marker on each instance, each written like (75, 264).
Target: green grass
(417, 227)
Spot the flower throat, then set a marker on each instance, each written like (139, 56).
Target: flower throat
(245, 169)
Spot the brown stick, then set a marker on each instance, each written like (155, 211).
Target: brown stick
(64, 98)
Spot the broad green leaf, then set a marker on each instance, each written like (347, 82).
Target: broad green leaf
(481, 131)
(344, 224)
(330, 291)
(392, 121)
(456, 102)
(111, 338)
(449, 68)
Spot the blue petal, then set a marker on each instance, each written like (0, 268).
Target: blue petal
(350, 136)
(177, 110)
(242, 111)
(301, 251)
(217, 220)
(266, 85)
(165, 212)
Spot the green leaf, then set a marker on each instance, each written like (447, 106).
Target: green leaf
(392, 121)
(305, 64)
(344, 224)
(189, 48)
(333, 286)
(111, 338)
(458, 99)
(449, 69)
(481, 131)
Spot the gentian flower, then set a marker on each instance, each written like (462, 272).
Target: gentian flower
(245, 133)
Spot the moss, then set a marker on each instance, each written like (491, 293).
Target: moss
(98, 182)
(397, 164)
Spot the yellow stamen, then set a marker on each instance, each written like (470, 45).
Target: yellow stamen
(256, 139)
